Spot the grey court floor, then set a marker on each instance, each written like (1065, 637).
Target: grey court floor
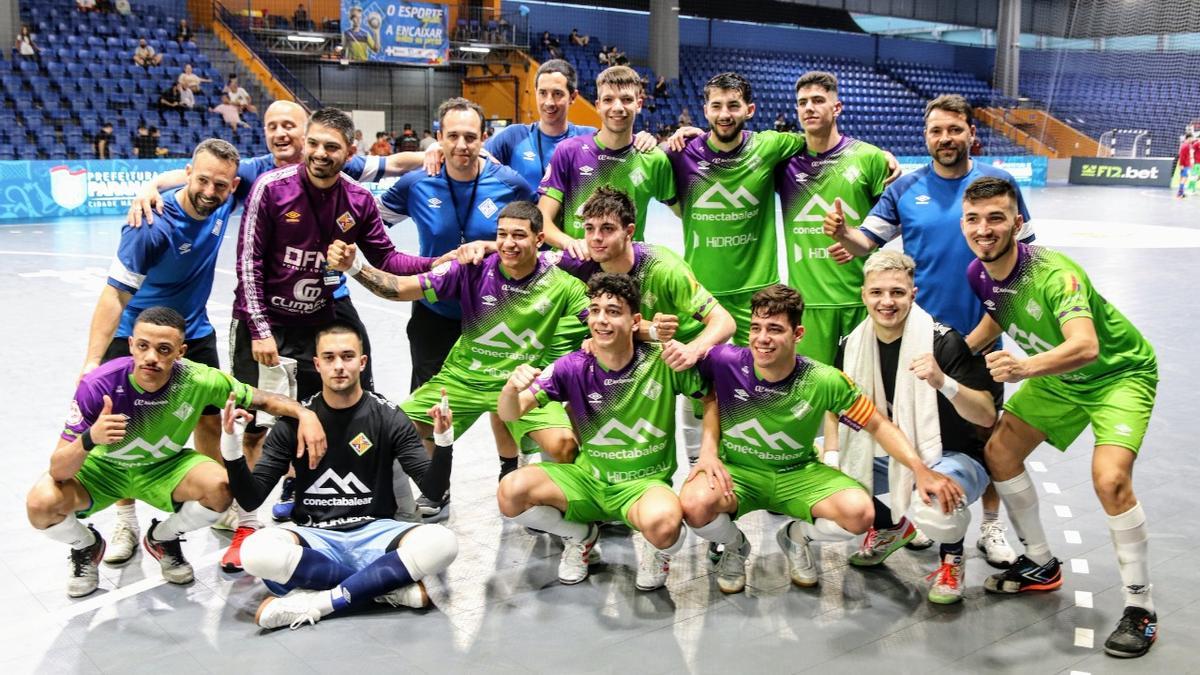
(500, 608)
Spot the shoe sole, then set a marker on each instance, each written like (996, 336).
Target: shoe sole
(572, 582)
(731, 591)
(998, 564)
(1052, 586)
(230, 568)
(1127, 655)
(945, 601)
(900, 543)
(258, 614)
(121, 562)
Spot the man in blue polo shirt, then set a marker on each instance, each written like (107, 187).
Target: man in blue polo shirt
(527, 147)
(924, 208)
(458, 205)
(169, 263)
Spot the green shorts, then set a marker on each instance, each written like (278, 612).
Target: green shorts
(738, 306)
(792, 493)
(824, 327)
(1119, 412)
(591, 500)
(106, 482)
(468, 403)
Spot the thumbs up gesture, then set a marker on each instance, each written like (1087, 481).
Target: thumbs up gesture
(109, 428)
(835, 221)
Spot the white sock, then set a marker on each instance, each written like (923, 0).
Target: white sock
(190, 516)
(720, 530)
(550, 519)
(692, 431)
(822, 529)
(1021, 500)
(990, 516)
(674, 548)
(71, 532)
(246, 518)
(128, 514)
(1130, 540)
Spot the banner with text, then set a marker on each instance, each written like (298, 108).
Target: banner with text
(1150, 172)
(1029, 171)
(58, 189)
(395, 31)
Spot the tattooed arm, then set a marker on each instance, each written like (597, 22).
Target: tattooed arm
(344, 258)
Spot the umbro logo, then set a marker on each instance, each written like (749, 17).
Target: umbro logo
(586, 170)
(292, 216)
(185, 248)
(489, 300)
(529, 156)
(434, 203)
(922, 200)
(801, 178)
(741, 395)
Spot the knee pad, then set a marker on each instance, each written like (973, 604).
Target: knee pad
(427, 550)
(944, 528)
(271, 553)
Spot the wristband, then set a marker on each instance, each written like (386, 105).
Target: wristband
(444, 439)
(231, 444)
(356, 266)
(653, 330)
(830, 458)
(949, 388)
(87, 441)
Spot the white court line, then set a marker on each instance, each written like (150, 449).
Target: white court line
(1072, 536)
(1083, 599)
(1080, 672)
(1051, 488)
(117, 594)
(1038, 467)
(51, 254)
(1079, 565)
(1084, 637)
(1062, 510)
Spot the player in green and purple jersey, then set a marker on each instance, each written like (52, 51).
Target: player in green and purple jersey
(583, 163)
(512, 303)
(771, 403)
(1087, 365)
(833, 171)
(124, 439)
(622, 401)
(726, 188)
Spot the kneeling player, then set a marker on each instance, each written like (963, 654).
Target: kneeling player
(341, 548)
(771, 403)
(943, 399)
(622, 401)
(124, 439)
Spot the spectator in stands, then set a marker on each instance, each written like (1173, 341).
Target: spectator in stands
(184, 32)
(144, 145)
(171, 99)
(85, 6)
(230, 112)
(102, 143)
(191, 80)
(300, 18)
(685, 117)
(26, 47)
(550, 44)
(239, 96)
(579, 40)
(145, 56)
(361, 147)
(382, 146)
(156, 138)
(660, 87)
(408, 140)
(187, 100)
(781, 123)
(427, 140)
(617, 57)
(104, 6)
(505, 30)
(976, 147)
(122, 7)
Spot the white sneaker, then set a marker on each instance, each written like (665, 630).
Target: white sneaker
(292, 610)
(228, 521)
(576, 555)
(994, 545)
(653, 569)
(802, 568)
(731, 567)
(124, 543)
(85, 567)
(919, 542)
(413, 595)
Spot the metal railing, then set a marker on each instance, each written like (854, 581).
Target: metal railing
(241, 28)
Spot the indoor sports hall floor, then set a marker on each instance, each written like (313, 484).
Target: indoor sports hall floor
(500, 608)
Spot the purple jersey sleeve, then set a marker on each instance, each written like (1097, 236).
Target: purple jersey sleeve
(85, 408)
(554, 183)
(443, 282)
(552, 385)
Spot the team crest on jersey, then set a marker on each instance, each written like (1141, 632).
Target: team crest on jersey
(292, 216)
(217, 227)
(801, 409)
(440, 270)
(852, 174)
(637, 177)
(1034, 309)
(346, 221)
(648, 299)
(361, 444)
(652, 390)
(185, 411)
(488, 208)
(74, 415)
(542, 305)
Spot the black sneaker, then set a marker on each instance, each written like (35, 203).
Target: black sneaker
(1026, 575)
(169, 554)
(432, 511)
(1134, 635)
(85, 567)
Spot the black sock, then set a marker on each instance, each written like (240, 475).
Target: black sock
(507, 466)
(952, 549)
(883, 515)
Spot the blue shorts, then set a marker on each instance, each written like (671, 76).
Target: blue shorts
(355, 548)
(958, 466)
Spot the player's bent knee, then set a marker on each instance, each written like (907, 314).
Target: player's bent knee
(945, 528)
(427, 550)
(699, 505)
(271, 553)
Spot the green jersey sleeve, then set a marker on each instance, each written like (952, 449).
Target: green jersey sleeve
(690, 383)
(1066, 294)
(217, 385)
(778, 146)
(664, 177)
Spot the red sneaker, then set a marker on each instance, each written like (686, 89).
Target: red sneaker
(232, 560)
